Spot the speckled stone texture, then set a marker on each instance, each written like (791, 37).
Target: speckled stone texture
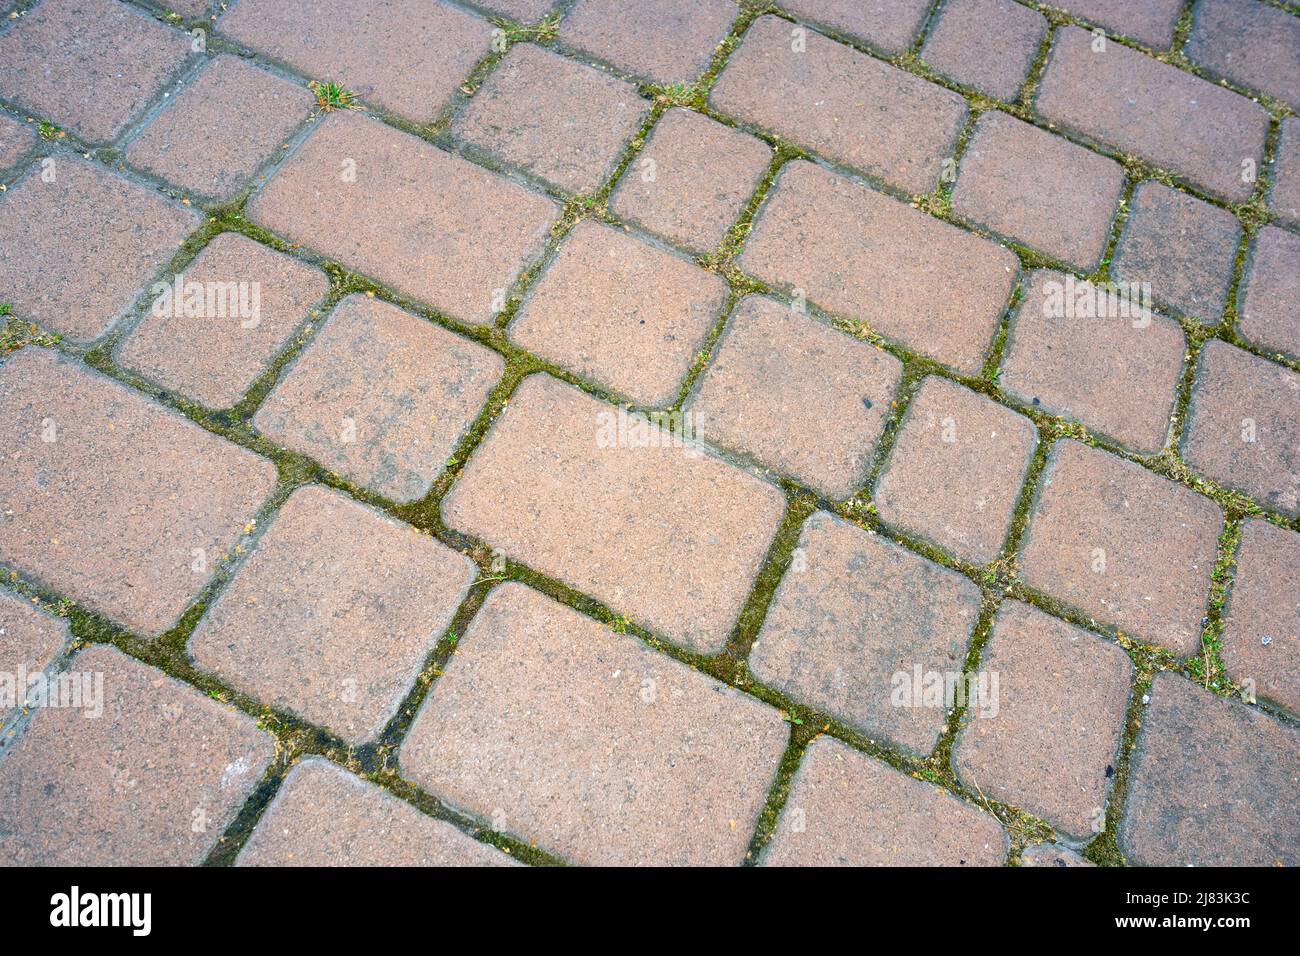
(887, 25)
(1269, 314)
(1284, 199)
(525, 11)
(30, 638)
(1149, 21)
(1052, 854)
(987, 44)
(16, 141)
(665, 41)
(1251, 43)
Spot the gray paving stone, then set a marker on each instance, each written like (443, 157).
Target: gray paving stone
(666, 41)
(1250, 43)
(16, 140)
(1261, 630)
(1269, 313)
(987, 44)
(1284, 200)
(30, 639)
(1052, 854)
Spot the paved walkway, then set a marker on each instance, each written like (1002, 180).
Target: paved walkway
(639, 433)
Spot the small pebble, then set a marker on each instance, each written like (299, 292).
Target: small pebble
(1266, 640)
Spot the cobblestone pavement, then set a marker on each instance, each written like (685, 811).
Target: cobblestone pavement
(671, 432)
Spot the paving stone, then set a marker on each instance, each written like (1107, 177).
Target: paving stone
(862, 612)
(213, 136)
(633, 516)
(154, 780)
(1117, 374)
(800, 396)
(1207, 783)
(1268, 314)
(987, 44)
(1162, 114)
(1261, 635)
(620, 311)
(408, 57)
(29, 640)
(1251, 43)
(433, 226)
(1124, 545)
(849, 107)
(190, 8)
(90, 66)
(1052, 854)
(933, 287)
(1185, 248)
(1284, 200)
(1048, 742)
(955, 473)
(660, 765)
(381, 396)
(692, 180)
(846, 809)
(888, 25)
(1151, 21)
(75, 253)
(16, 141)
(559, 120)
(333, 614)
(112, 500)
(1242, 429)
(666, 41)
(525, 11)
(214, 358)
(1040, 189)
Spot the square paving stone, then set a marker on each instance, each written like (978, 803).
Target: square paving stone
(1040, 189)
(1149, 21)
(1124, 545)
(381, 396)
(667, 41)
(1117, 374)
(1270, 304)
(1284, 200)
(847, 106)
(692, 180)
(862, 617)
(1208, 783)
(16, 141)
(408, 57)
(657, 765)
(846, 809)
(214, 135)
(333, 614)
(618, 310)
(433, 226)
(154, 780)
(1050, 745)
(556, 119)
(802, 397)
(1251, 43)
(888, 25)
(90, 66)
(111, 499)
(1261, 633)
(76, 252)
(1242, 427)
(215, 356)
(29, 640)
(625, 511)
(987, 44)
(955, 473)
(910, 277)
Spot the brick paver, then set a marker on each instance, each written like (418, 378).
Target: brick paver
(655, 529)
(851, 108)
(658, 764)
(863, 622)
(430, 224)
(887, 25)
(111, 499)
(1271, 292)
(909, 276)
(154, 780)
(16, 141)
(1124, 545)
(381, 396)
(525, 11)
(846, 809)
(1261, 639)
(1052, 854)
(1150, 21)
(618, 310)
(29, 640)
(666, 41)
(1250, 43)
(1207, 783)
(1242, 428)
(955, 473)
(1284, 200)
(987, 44)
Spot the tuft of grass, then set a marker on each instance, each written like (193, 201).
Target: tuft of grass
(333, 96)
(49, 131)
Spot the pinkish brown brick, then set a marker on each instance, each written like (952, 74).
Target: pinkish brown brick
(1251, 43)
(1261, 633)
(16, 141)
(29, 640)
(1284, 200)
(1052, 854)
(887, 25)
(1269, 315)
(987, 44)
(1151, 21)
(666, 41)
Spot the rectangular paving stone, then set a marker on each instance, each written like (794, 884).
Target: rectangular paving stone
(1149, 21)
(1040, 189)
(525, 11)
(658, 765)
(29, 640)
(155, 780)
(887, 25)
(1164, 115)
(1123, 545)
(800, 396)
(862, 612)
(333, 613)
(1268, 313)
(666, 41)
(215, 356)
(1284, 199)
(1208, 781)
(847, 106)
(987, 44)
(1052, 854)
(633, 516)
(381, 396)
(112, 500)
(1250, 43)
(933, 287)
(955, 473)
(408, 57)
(618, 310)
(846, 809)
(1242, 428)
(16, 141)
(1261, 632)
(76, 252)
(433, 226)
(90, 66)
(1051, 745)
